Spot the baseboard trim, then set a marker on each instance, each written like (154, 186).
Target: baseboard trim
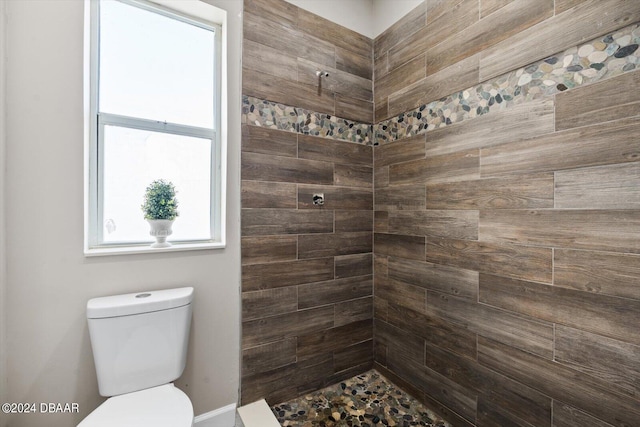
(221, 417)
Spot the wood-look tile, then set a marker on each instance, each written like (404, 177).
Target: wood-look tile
(452, 224)
(524, 332)
(601, 187)
(334, 291)
(522, 262)
(517, 403)
(434, 330)
(264, 59)
(559, 382)
(261, 249)
(400, 77)
(614, 362)
(268, 356)
(399, 31)
(601, 144)
(459, 166)
(447, 413)
(408, 345)
(288, 92)
(354, 109)
(333, 33)
(381, 222)
(511, 19)
(274, 385)
(353, 265)
(357, 310)
(609, 99)
(269, 302)
(588, 20)
(517, 192)
(400, 197)
(403, 150)
(345, 198)
(338, 81)
(380, 67)
(381, 177)
(601, 314)
(283, 13)
(353, 175)
(258, 139)
(567, 416)
(563, 5)
(262, 167)
(334, 339)
(490, 414)
(487, 7)
(281, 274)
(323, 245)
(381, 110)
(435, 277)
(598, 272)
(261, 222)
(353, 221)
(438, 387)
(277, 328)
(353, 63)
(402, 294)
(380, 309)
(411, 247)
(328, 150)
(457, 76)
(260, 194)
(353, 355)
(606, 230)
(518, 122)
(280, 35)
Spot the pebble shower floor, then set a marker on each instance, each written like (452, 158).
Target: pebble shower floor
(364, 400)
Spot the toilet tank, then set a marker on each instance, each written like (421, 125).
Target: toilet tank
(139, 340)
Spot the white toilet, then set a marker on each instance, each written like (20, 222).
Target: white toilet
(139, 346)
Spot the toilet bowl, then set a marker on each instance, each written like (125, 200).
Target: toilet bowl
(139, 344)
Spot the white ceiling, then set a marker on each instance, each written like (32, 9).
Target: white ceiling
(367, 17)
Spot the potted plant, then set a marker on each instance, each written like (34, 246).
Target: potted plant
(160, 208)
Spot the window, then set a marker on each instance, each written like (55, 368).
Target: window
(155, 114)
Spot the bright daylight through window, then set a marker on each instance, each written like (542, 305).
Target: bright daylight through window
(155, 111)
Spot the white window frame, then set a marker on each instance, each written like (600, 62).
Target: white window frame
(94, 244)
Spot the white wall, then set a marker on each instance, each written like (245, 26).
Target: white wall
(3, 319)
(367, 17)
(48, 279)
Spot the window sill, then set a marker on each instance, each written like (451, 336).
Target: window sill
(147, 249)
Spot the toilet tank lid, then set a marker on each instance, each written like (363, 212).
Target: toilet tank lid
(138, 303)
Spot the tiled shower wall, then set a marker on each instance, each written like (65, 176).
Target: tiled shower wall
(506, 208)
(507, 216)
(307, 281)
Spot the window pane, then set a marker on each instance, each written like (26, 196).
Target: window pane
(154, 67)
(134, 158)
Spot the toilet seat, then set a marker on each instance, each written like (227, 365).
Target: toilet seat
(162, 406)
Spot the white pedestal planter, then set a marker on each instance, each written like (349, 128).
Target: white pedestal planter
(160, 229)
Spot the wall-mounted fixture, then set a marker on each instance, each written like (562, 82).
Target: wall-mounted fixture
(321, 73)
(318, 199)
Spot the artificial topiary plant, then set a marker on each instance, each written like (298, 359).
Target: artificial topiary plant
(160, 201)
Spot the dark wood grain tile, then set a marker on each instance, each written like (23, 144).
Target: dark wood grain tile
(353, 265)
(435, 277)
(459, 166)
(401, 294)
(410, 346)
(357, 354)
(381, 222)
(334, 339)
(453, 224)
(399, 31)
(505, 259)
(344, 198)
(257, 139)
(268, 302)
(261, 249)
(598, 272)
(411, 247)
(353, 221)
(323, 245)
(357, 310)
(403, 150)
(280, 274)
(268, 356)
(487, 7)
(263, 167)
(338, 81)
(353, 63)
(607, 230)
(567, 416)
(400, 197)
(283, 13)
(560, 382)
(262, 194)
(353, 175)
(400, 77)
(328, 150)
(260, 222)
(334, 291)
(261, 58)
(354, 109)
(604, 315)
(524, 332)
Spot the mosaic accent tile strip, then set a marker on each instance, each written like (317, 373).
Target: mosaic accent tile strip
(364, 400)
(598, 59)
(273, 115)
